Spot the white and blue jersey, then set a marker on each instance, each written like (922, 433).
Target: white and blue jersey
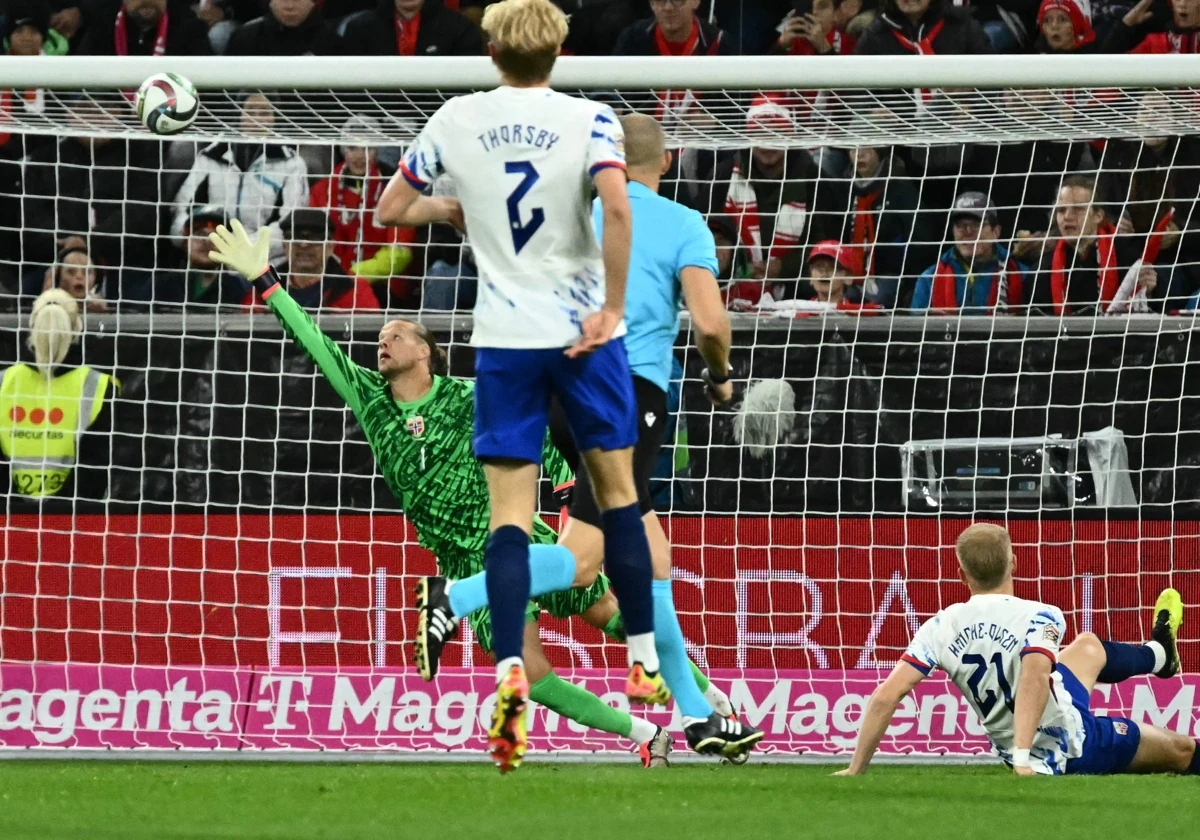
(667, 238)
(522, 161)
(980, 645)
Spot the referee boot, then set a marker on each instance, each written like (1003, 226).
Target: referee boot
(717, 735)
(435, 624)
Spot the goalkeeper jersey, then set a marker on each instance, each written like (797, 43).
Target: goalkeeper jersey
(423, 448)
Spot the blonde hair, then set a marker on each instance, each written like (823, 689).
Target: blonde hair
(54, 325)
(985, 555)
(526, 36)
(645, 142)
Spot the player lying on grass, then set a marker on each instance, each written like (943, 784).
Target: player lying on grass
(1033, 700)
(418, 422)
(673, 258)
(548, 321)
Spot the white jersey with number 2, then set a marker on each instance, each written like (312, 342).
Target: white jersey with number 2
(522, 160)
(980, 645)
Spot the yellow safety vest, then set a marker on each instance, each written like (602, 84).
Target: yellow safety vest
(42, 420)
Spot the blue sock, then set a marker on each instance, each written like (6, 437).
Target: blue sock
(627, 563)
(672, 655)
(1125, 661)
(551, 569)
(507, 561)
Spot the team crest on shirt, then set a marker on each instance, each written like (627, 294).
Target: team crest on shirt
(1050, 634)
(416, 425)
(1121, 728)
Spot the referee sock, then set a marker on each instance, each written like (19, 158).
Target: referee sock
(551, 569)
(672, 655)
(627, 563)
(507, 578)
(581, 706)
(1125, 660)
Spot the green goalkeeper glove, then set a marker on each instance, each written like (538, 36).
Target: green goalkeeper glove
(248, 257)
(387, 262)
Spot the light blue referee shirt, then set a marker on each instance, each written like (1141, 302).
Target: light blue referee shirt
(667, 237)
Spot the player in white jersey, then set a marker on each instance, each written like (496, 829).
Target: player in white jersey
(548, 321)
(1033, 699)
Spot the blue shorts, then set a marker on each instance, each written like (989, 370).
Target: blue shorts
(512, 400)
(1109, 743)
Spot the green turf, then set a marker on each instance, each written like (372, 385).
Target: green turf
(574, 802)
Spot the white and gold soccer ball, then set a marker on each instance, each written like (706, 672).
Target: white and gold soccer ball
(167, 103)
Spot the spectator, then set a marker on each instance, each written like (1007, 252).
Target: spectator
(311, 274)
(923, 27)
(27, 30)
(257, 183)
(674, 30)
(76, 274)
(831, 268)
(67, 19)
(818, 32)
(882, 224)
(1007, 23)
(731, 262)
(220, 18)
(1151, 187)
(144, 27)
(101, 192)
(195, 280)
(411, 27)
(1182, 37)
(56, 413)
(1090, 268)
(772, 193)
(975, 275)
(1065, 26)
(291, 27)
(350, 196)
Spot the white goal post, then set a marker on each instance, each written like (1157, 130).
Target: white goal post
(243, 582)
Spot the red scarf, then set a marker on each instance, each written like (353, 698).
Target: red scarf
(1154, 242)
(1106, 284)
(406, 35)
(33, 99)
(121, 35)
(1006, 287)
(863, 237)
(922, 47)
(677, 100)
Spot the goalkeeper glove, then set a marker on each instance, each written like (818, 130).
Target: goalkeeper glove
(234, 248)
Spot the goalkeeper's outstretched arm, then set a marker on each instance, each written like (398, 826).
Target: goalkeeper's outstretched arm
(878, 716)
(249, 258)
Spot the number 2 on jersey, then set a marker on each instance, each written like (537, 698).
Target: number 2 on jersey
(985, 704)
(521, 233)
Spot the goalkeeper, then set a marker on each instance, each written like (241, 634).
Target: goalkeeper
(419, 424)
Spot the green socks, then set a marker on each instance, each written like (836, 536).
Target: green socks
(580, 705)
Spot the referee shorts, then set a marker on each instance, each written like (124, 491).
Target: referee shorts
(651, 425)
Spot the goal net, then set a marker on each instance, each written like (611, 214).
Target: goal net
(962, 290)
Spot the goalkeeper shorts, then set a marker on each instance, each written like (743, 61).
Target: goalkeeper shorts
(651, 427)
(512, 399)
(558, 604)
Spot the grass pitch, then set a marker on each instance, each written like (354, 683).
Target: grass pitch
(119, 799)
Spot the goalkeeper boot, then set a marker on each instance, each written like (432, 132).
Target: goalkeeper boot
(1168, 616)
(655, 751)
(646, 687)
(435, 624)
(716, 735)
(506, 737)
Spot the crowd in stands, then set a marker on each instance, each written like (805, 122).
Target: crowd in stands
(1070, 227)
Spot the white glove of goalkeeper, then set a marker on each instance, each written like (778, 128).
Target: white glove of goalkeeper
(248, 257)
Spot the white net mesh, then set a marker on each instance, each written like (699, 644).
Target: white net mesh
(223, 523)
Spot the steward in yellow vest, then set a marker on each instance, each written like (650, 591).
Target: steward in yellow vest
(49, 415)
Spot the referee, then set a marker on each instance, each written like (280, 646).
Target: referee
(673, 259)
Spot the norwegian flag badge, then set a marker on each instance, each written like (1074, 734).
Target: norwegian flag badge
(416, 425)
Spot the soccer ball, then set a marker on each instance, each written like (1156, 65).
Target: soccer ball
(167, 103)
